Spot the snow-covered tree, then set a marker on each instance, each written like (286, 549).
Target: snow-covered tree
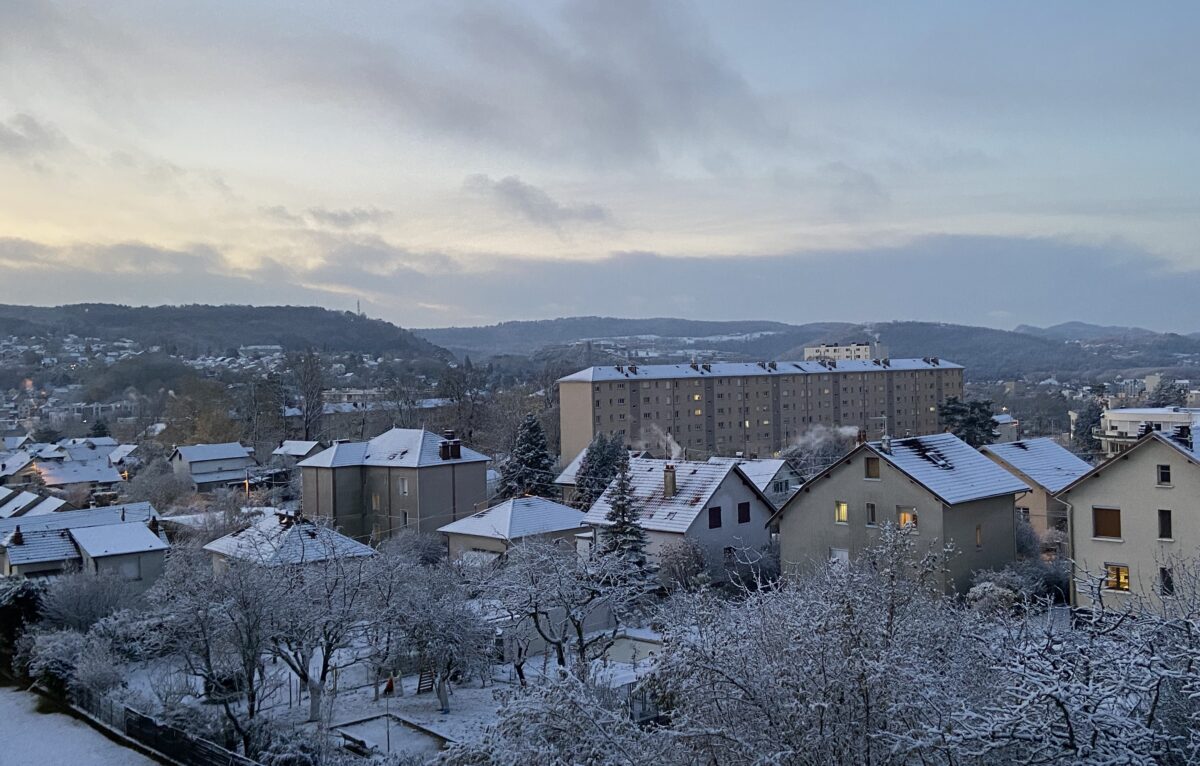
(529, 469)
(78, 600)
(623, 537)
(597, 469)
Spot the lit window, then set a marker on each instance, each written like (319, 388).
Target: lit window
(698, 413)
(907, 517)
(1106, 522)
(1116, 577)
(871, 468)
(841, 512)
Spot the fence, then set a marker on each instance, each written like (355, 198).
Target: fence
(176, 744)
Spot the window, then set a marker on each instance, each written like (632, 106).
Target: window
(870, 514)
(714, 517)
(1166, 581)
(698, 413)
(1116, 577)
(1164, 476)
(743, 513)
(401, 485)
(906, 517)
(871, 468)
(1164, 524)
(839, 555)
(841, 512)
(1106, 522)
(978, 537)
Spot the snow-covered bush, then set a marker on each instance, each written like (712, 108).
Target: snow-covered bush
(49, 657)
(80, 599)
(683, 565)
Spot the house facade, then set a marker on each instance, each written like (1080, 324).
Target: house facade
(405, 478)
(1132, 518)
(1047, 467)
(938, 486)
(212, 466)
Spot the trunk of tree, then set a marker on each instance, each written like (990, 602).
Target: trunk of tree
(442, 689)
(314, 699)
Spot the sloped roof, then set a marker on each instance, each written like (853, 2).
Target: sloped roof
(86, 518)
(39, 545)
(1191, 453)
(518, 518)
(276, 541)
(748, 369)
(48, 505)
(1042, 460)
(16, 503)
(193, 453)
(295, 448)
(949, 467)
(12, 442)
(397, 448)
(94, 441)
(117, 539)
(10, 464)
(72, 472)
(567, 476)
(695, 483)
(761, 471)
(120, 452)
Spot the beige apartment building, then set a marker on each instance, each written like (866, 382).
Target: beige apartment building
(699, 410)
(845, 352)
(938, 486)
(1132, 518)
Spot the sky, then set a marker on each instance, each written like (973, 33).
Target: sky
(452, 163)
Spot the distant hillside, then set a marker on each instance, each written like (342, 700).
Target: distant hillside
(1082, 331)
(987, 353)
(216, 329)
(527, 337)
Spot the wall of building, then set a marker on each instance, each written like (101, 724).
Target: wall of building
(576, 418)
(1130, 484)
(140, 568)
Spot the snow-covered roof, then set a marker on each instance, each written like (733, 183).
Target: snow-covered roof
(88, 517)
(518, 518)
(1188, 450)
(72, 472)
(194, 453)
(567, 476)
(749, 369)
(117, 539)
(695, 483)
(949, 467)
(227, 475)
(48, 505)
(1003, 419)
(38, 546)
(1152, 412)
(1042, 460)
(16, 503)
(761, 471)
(295, 448)
(397, 448)
(12, 442)
(88, 441)
(120, 452)
(11, 464)
(283, 540)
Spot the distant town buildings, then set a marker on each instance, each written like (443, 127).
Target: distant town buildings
(1120, 429)
(845, 352)
(701, 409)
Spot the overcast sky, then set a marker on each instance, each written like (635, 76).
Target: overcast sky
(445, 163)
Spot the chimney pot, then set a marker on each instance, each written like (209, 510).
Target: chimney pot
(17, 538)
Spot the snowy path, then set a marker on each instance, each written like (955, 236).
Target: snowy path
(55, 739)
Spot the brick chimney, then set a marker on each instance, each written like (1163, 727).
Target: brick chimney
(669, 481)
(17, 538)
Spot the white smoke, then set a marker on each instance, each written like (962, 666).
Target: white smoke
(655, 438)
(820, 437)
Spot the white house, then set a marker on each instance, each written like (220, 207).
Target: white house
(492, 531)
(211, 466)
(284, 540)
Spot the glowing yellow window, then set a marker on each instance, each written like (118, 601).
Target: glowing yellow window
(841, 512)
(1116, 577)
(907, 517)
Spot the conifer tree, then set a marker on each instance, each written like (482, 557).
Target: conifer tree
(529, 468)
(597, 469)
(624, 537)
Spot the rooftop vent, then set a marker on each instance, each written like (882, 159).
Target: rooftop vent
(669, 481)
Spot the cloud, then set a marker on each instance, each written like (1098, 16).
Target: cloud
(24, 137)
(514, 196)
(348, 219)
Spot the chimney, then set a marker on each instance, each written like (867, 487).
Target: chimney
(885, 444)
(17, 538)
(772, 365)
(669, 481)
(444, 450)
(456, 449)
(860, 437)
(153, 524)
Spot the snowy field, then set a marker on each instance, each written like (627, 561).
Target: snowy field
(55, 739)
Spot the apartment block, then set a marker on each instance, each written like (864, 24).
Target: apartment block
(757, 409)
(845, 352)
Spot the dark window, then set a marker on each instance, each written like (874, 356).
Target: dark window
(714, 517)
(1166, 581)
(1164, 474)
(871, 468)
(871, 514)
(1164, 524)
(743, 513)
(1106, 522)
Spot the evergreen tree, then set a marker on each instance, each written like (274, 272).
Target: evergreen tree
(970, 421)
(99, 428)
(624, 537)
(597, 469)
(1087, 421)
(529, 467)
(1168, 393)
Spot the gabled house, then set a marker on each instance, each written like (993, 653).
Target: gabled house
(15, 503)
(1133, 516)
(405, 478)
(292, 451)
(493, 531)
(713, 504)
(49, 543)
(775, 477)
(1047, 467)
(938, 485)
(279, 540)
(565, 480)
(212, 466)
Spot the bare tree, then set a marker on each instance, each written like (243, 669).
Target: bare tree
(309, 378)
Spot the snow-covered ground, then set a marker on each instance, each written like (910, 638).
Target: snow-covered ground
(54, 739)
